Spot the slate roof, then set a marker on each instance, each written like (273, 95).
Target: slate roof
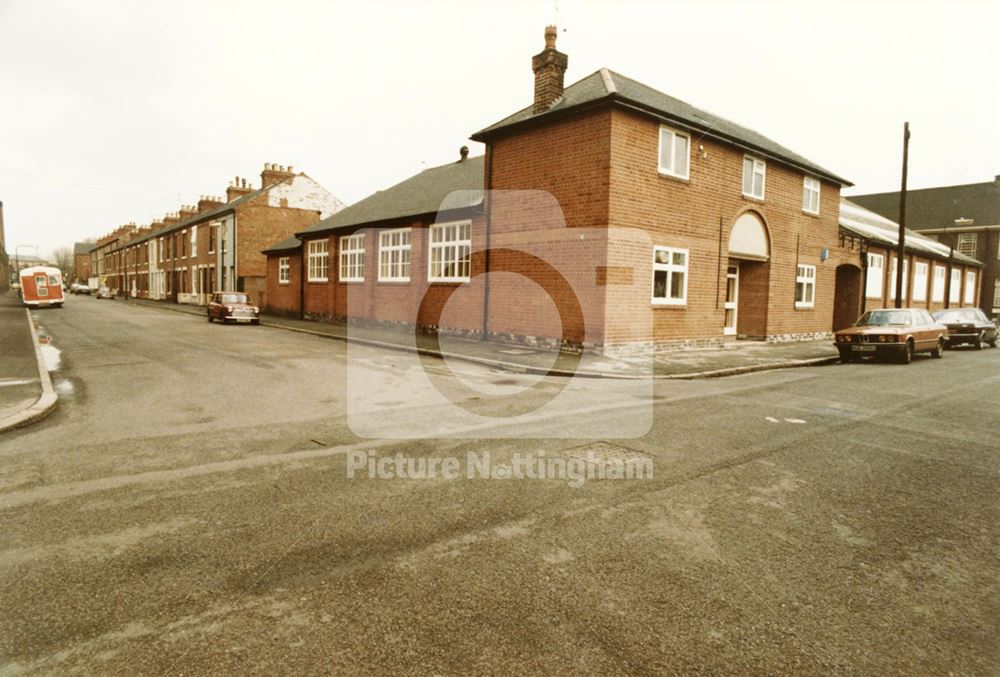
(871, 226)
(287, 245)
(81, 248)
(606, 85)
(930, 208)
(424, 193)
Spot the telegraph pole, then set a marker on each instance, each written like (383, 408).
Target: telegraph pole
(901, 249)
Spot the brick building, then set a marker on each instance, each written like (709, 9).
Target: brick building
(81, 261)
(934, 278)
(5, 268)
(965, 219)
(742, 235)
(215, 244)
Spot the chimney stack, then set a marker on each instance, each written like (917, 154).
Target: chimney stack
(549, 66)
(206, 202)
(187, 211)
(273, 173)
(237, 188)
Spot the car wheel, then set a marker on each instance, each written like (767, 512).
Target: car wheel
(907, 355)
(846, 356)
(939, 351)
(977, 343)
(255, 322)
(209, 316)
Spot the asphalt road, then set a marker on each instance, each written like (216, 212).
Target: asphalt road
(187, 510)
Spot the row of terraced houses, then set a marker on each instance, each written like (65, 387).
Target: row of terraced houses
(607, 214)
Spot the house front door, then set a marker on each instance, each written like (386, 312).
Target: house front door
(732, 299)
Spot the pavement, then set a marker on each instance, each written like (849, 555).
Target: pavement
(188, 510)
(26, 393)
(735, 358)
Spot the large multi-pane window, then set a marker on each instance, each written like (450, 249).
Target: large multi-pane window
(876, 273)
(352, 258)
(937, 288)
(670, 275)
(967, 244)
(805, 286)
(450, 252)
(970, 286)
(674, 152)
(810, 195)
(920, 281)
(394, 255)
(753, 177)
(318, 260)
(955, 292)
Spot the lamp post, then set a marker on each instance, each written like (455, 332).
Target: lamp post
(960, 222)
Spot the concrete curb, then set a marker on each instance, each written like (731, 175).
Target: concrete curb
(44, 405)
(528, 369)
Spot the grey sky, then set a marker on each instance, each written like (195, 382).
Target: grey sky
(121, 111)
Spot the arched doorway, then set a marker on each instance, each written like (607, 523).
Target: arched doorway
(748, 274)
(846, 296)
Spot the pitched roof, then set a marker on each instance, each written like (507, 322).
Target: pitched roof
(930, 208)
(81, 248)
(871, 226)
(432, 190)
(606, 85)
(288, 244)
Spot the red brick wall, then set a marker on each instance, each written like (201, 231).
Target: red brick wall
(283, 299)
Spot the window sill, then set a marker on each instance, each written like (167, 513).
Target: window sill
(395, 281)
(350, 281)
(317, 280)
(809, 213)
(283, 283)
(668, 304)
(804, 306)
(674, 177)
(753, 198)
(455, 281)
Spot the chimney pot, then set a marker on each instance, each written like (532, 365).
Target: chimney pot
(290, 169)
(464, 152)
(550, 37)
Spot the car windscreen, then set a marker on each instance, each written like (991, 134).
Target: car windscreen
(879, 318)
(965, 315)
(235, 298)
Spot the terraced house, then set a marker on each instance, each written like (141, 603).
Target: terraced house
(215, 244)
(743, 236)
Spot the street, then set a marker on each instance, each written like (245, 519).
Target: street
(187, 509)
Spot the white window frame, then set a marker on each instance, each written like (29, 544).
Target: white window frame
(805, 275)
(194, 241)
(940, 278)
(395, 258)
(871, 278)
(352, 258)
(967, 244)
(970, 286)
(318, 269)
(284, 270)
(450, 251)
(755, 164)
(920, 281)
(996, 294)
(892, 277)
(810, 192)
(668, 136)
(670, 268)
(955, 293)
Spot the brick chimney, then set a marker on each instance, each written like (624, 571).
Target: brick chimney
(238, 187)
(171, 218)
(549, 66)
(187, 211)
(206, 202)
(272, 174)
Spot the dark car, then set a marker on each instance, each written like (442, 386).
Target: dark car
(232, 305)
(968, 326)
(896, 332)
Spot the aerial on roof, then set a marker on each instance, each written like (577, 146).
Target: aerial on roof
(932, 208)
(607, 86)
(456, 185)
(867, 224)
(80, 248)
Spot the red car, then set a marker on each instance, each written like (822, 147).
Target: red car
(896, 332)
(232, 305)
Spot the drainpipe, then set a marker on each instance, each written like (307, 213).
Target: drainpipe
(302, 281)
(487, 208)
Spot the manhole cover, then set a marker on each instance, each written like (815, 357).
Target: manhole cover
(602, 453)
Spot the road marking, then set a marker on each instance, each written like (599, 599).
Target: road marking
(16, 381)
(794, 420)
(770, 419)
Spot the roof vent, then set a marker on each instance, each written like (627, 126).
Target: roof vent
(464, 153)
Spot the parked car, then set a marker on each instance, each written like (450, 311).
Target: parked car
(896, 332)
(968, 326)
(105, 293)
(77, 288)
(232, 305)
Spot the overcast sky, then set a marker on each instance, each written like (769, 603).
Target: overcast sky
(113, 112)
